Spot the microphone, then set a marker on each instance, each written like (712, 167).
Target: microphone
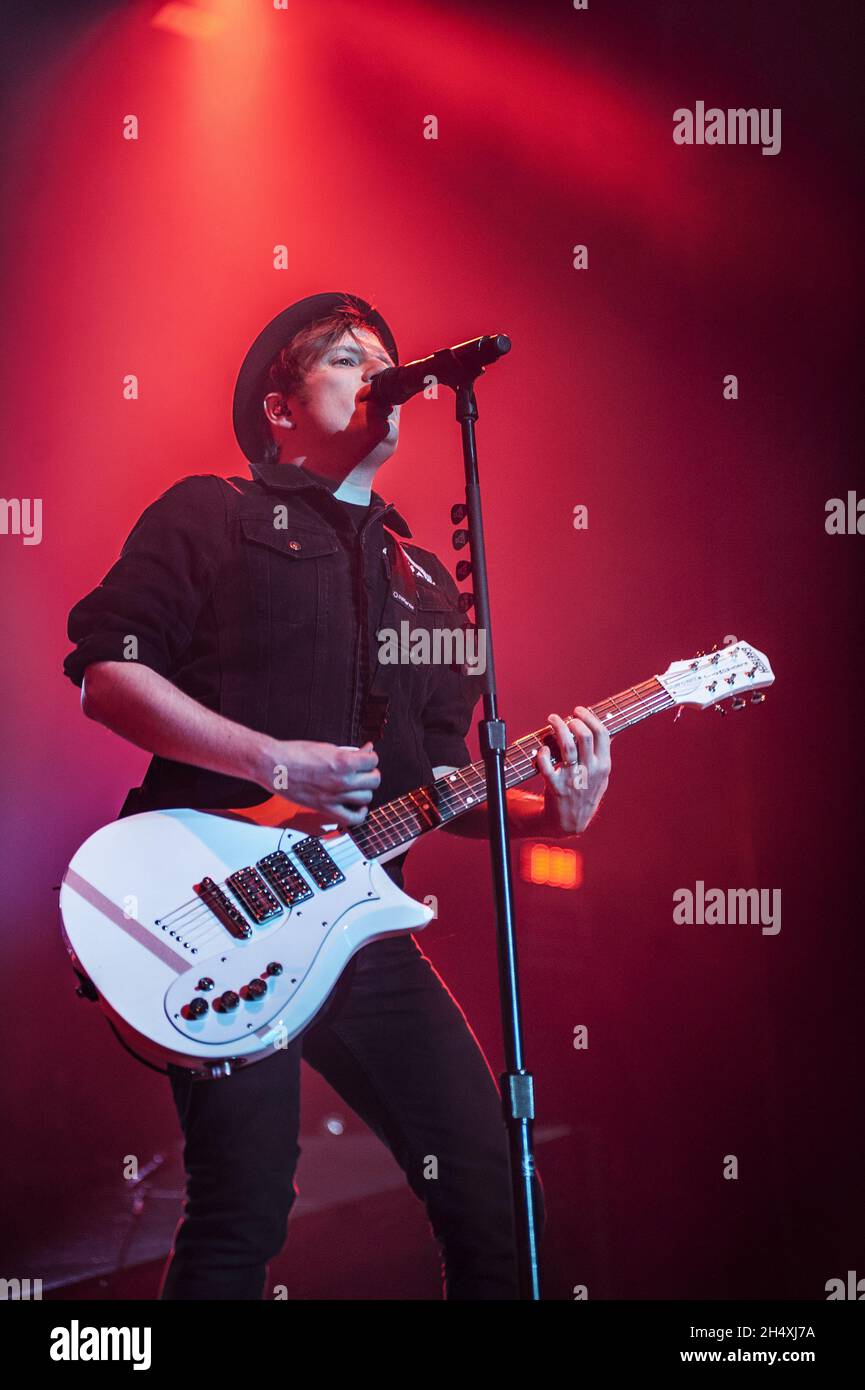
(452, 366)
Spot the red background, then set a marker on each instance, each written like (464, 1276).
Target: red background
(706, 518)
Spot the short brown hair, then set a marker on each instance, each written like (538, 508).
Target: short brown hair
(287, 372)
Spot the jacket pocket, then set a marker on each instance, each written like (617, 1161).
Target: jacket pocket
(294, 542)
(292, 584)
(290, 572)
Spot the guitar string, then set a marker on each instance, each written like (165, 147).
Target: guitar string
(448, 797)
(452, 795)
(658, 701)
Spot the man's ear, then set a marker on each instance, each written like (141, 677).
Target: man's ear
(277, 410)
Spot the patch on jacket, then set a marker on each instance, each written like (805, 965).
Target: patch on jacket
(418, 569)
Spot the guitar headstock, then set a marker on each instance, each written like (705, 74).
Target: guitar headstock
(734, 672)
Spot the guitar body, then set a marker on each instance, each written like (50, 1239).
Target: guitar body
(136, 927)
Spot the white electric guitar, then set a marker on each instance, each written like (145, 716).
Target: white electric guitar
(214, 937)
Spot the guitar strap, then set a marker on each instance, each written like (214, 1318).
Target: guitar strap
(402, 586)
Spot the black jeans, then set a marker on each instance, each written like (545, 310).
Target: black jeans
(393, 1042)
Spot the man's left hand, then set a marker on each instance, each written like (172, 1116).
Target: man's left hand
(574, 789)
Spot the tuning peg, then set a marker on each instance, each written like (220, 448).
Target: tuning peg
(466, 601)
(464, 569)
(458, 511)
(757, 697)
(459, 539)
(737, 702)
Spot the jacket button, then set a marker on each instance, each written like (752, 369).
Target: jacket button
(294, 545)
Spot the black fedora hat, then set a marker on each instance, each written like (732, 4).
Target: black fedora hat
(249, 388)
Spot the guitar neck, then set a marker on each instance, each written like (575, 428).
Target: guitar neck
(396, 824)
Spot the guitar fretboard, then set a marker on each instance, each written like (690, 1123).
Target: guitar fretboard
(402, 820)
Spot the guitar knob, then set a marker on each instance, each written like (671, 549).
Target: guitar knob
(256, 988)
(737, 702)
(757, 697)
(228, 1001)
(196, 1008)
(274, 968)
(720, 709)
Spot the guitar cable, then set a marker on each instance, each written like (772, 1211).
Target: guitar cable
(87, 990)
(125, 1045)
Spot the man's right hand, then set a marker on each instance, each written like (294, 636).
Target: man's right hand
(337, 782)
(144, 707)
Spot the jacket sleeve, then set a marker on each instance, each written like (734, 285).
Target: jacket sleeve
(147, 605)
(447, 715)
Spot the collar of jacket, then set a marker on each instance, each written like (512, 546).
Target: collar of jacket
(288, 477)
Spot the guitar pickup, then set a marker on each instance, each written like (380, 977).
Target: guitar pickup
(318, 863)
(223, 908)
(284, 878)
(253, 893)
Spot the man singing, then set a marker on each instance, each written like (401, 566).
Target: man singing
(235, 640)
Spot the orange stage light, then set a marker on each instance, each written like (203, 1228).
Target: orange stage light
(188, 21)
(551, 865)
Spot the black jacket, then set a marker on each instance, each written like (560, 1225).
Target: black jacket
(260, 600)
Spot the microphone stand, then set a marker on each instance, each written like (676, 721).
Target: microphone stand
(516, 1083)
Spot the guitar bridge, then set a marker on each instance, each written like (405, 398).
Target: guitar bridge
(223, 908)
